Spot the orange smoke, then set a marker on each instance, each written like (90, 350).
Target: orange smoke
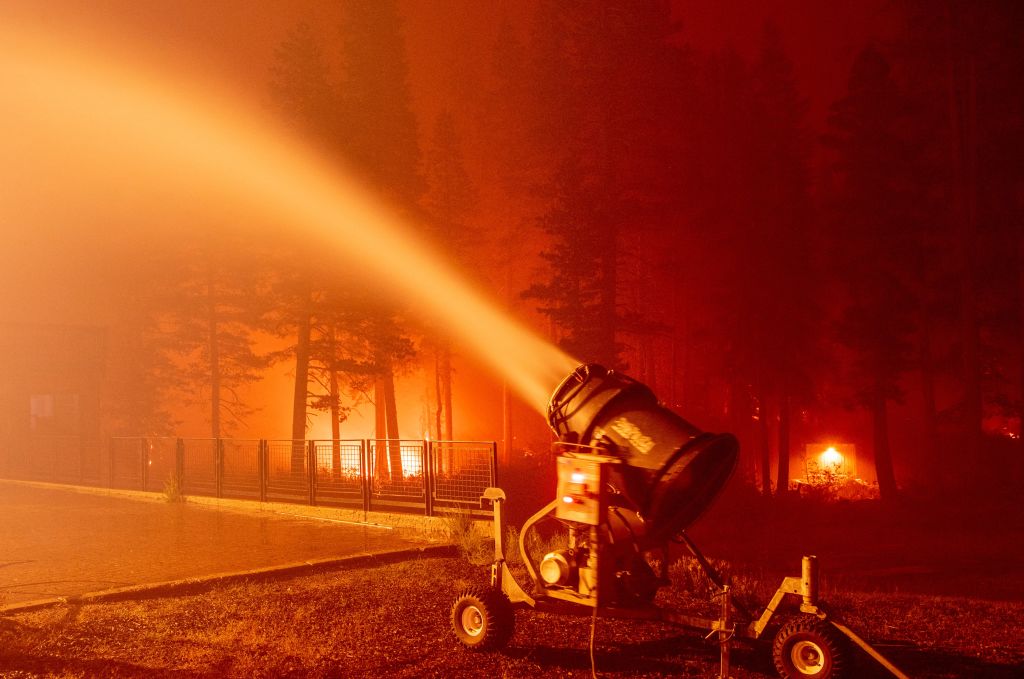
(105, 140)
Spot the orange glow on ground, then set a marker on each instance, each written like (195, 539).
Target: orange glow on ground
(102, 141)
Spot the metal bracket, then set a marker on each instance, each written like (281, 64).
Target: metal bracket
(501, 577)
(870, 650)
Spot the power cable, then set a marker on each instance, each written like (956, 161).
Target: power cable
(593, 626)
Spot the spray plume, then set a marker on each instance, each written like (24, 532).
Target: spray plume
(104, 138)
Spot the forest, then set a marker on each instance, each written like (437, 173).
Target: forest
(663, 209)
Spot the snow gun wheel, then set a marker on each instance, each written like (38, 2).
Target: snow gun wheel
(483, 619)
(809, 647)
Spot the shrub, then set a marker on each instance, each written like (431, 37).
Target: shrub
(172, 488)
(472, 538)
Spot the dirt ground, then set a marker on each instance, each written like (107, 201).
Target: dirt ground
(393, 621)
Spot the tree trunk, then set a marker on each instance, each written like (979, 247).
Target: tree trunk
(883, 452)
(680, 365)
(444, 404)
(380, 428)
(506, 397)
(391, 417)
(646, 359)
(960, 97)
(446, 387)
(973, 388)
(301, 391)
(438, 398)
(1020, 340)
(506, 424)
(213, 348)
(609, 300)
(930, 411)
(737, 418)
(782, 487)
(764, 439)
(443, 460)
(335, 398)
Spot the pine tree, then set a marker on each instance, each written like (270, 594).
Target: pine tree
(715, 274)
(786, 285)
(963, 61)
(302, 86)
(509, 203)
(145, 378)
(380, 134)
(212, 310)
(449, 201)
(596, 66)
(380, 142)
(302, 91)
(874, 212)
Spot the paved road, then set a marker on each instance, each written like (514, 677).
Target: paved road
(57, 542)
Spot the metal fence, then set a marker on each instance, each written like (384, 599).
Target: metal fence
(61, 459)
(432, 477)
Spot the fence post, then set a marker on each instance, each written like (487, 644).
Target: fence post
(261, 468)
(218, 470)
(428, 478)
(144, 458)
(81, 460)
(311, 464)
(179, 463)
(494, 464)
(365, 472)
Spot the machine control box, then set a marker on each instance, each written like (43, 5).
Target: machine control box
(580, 484)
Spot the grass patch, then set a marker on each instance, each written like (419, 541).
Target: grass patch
(474, 539)
(538, 543)
(172, 488)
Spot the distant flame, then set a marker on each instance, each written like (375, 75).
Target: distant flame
(831, 458)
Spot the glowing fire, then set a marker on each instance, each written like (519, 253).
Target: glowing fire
(833, 466)
(829, 462)
(831, 457)
(412, 467)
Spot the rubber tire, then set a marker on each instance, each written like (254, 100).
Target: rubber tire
(483, 619)
(809, 647)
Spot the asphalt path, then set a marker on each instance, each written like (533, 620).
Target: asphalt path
(58, 542)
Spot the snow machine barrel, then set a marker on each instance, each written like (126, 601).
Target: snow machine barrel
(671, 470)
